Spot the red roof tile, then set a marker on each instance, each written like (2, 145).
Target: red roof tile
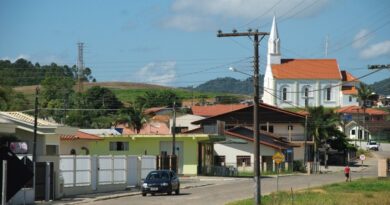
(80, 136)
(212, 110)
(307, 69)
(346, 76)
(354, 109)
(349, 90)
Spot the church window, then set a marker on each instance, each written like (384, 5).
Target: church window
(328, 93)
(284, 94)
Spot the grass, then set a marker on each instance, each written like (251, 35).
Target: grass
(363, 191)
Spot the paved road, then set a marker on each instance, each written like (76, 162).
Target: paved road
(223, 192)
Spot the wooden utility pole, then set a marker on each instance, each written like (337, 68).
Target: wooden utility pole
(256, 131)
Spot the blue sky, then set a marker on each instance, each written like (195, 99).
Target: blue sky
(174, 42)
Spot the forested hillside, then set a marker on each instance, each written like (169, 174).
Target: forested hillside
(382, 87)
(23, 72)
(230, 85)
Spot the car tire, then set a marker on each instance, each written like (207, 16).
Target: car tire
(143, 194)
(177, 191)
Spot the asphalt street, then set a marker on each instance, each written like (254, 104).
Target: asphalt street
(224, 192)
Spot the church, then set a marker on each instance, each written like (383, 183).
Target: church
(305, 82)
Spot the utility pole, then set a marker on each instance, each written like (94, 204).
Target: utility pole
(256, 131)
(80, 66)
(34, 155)
(174, 128)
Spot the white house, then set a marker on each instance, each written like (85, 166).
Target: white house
(184, 122)
(305, 82)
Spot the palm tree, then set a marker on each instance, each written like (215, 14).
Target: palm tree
(321, 126)
(364, 94)
(133, 117)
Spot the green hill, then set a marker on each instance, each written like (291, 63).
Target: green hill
(230, 85)
(382, 87)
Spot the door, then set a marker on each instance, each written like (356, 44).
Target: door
(167, 147)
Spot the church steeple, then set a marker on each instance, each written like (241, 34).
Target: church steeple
(274, 44)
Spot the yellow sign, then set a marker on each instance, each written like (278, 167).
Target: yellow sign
(278, 157)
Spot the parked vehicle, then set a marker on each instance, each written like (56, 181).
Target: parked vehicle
(161, 181)
(372, 145)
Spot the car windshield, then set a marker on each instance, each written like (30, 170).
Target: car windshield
(372, 143)
(157, 175)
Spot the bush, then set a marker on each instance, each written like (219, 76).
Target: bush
(361, 151)
(298, 166)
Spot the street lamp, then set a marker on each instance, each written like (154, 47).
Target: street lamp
(256, 130)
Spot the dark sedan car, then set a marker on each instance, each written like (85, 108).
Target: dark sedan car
(161, 181)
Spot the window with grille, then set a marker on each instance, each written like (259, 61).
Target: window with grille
(119, 146)
(243, 161)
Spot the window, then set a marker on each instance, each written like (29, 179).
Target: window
(353, 132)
(284, 94)
(51, 149)
(270, 128)
(350, 98)
(243, 161)
(328, 92)
(219, 161)
(119, 146)
(290, 127)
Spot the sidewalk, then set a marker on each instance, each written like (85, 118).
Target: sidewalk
(186, 183)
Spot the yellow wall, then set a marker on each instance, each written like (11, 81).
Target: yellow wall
(151, 143)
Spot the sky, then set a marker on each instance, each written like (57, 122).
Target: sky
(174, 42)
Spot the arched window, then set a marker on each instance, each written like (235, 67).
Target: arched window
(306, 92)
(73, 152)
(284, 96)
(328, 93)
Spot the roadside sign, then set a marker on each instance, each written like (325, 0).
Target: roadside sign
(362, 157)
(278, 157)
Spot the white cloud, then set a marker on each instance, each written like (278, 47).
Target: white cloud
(360, 39)
(231, 10)
(161, 73)
(376, 50)
(186, 22)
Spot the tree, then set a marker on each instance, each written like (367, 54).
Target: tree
(11, 100)
(322, 126)
(132, 117)
(364, 94)
(157, 98)
(102, 98)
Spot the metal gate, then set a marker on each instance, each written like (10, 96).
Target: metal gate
(44, 180)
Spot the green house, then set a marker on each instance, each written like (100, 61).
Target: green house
(189, 148)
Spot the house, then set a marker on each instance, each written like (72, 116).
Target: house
(48, 146)
(305, 82)
(187, 146)
(184, 123)
(237, 149)
(359, 123)
(273, 120)
(78, 143)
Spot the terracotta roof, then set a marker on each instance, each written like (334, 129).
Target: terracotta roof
(346, 76)
(266, 138)
(349, 90)
(354, 109)
(152, 127)
(213, 110)
(19, 116)
(80, 136)
(306, 69)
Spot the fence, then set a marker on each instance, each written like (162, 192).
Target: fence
(231, 169)
(86, 174)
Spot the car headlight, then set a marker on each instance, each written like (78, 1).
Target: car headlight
(145, 185)
(164, 184)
